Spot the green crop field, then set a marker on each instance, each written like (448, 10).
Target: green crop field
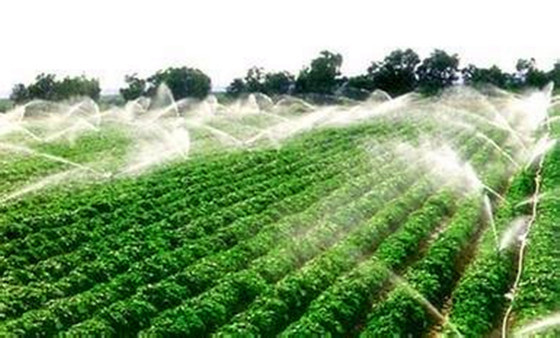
(409, 216)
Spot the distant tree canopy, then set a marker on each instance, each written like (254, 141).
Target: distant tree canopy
(278, 83)
(258, 81)
(400, 72)
(357, 87)
(236, 87)
(47, 87)
(529, 75)
(475, 76)
(526, 75)
(554, 74)
(322, 76)
(135, 88)
(396, 74)
(438, 71)
(183, 82)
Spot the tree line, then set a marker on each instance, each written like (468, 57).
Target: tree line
(400, 72)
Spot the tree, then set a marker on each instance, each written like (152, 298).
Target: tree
(322, 76)
(437, 71)
(77, 86)
(258, 81)
(475, 76)
(183, 82)
(357, 87)
(254, 80)
(236, 87)
(47, 87)
(528, 75)
(43, 88)
(136, 87)
(554, 74)
(361, 82)
(396, 73)
(20, 93)
(278, 83)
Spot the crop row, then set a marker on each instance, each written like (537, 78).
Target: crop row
(171, 201)
(539, 287)
(18, 169)
(411, 308)
(119, 267)
(191, 185)
(100, 273)
(192, 179)
(31, 315)
(213, 212)
(76, 308)
(342, 257)
(344, 254)
(208, 271)
(336, 310)
(401, 313)
(274, 305)
(147, 231)
(479, 297)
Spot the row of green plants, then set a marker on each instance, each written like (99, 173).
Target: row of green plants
(99, 271)
(263, 267)
(194, 178)
(122, 285)
(539, 291)
(479, 299)
(204, 188)
(337, 309)
(18, 169)
(231, 243)
(405, 310)
(402, 310)
(102, 270)
(172, 202)
(141, 304)
(341, 307)
(287, 300)
(271, 309)
(276, 244)
(205, 193)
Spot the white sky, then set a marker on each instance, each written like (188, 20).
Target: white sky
(110, 38)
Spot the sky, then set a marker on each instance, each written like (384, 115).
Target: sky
(107, 39)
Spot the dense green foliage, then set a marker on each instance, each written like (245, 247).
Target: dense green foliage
(5, 105)
(401, 71)
(257, 81)
(322, 76)
(135, 88)
(437, 72)
(314, 237)
(396, 74)
(183, 82)
(47, 87)
(476, 76)
(479, 298)
(539, 290)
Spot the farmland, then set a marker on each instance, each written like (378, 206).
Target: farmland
(405, 216)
